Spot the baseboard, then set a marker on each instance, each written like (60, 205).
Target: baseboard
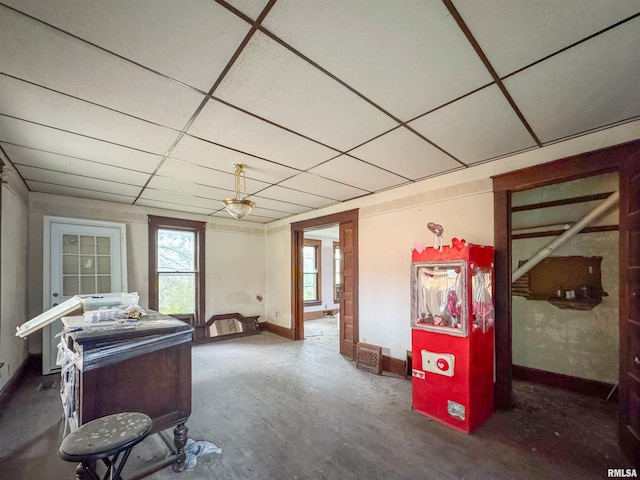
(32, 362)
(320, 314)
(278, 330)
(566, 382)
(313, 315)
(394, 365)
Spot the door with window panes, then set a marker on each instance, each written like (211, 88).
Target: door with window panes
(83, 257)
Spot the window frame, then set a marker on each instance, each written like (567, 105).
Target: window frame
(336, 248)
(317, 245)
(198, 228)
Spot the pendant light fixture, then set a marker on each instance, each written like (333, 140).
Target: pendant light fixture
(238, 207)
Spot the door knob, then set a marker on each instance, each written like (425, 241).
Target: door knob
(636, 361)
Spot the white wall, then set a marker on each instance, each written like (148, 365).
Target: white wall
(391, 222)
(579, 343)
(234, 264)
(13, 294)
(278, 276)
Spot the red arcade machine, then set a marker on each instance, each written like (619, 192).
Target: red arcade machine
(452, 333)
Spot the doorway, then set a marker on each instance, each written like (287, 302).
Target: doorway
(321, 285)
(625, 160)
(347, 320)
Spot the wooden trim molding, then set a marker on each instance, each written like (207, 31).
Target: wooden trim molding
(556, 233)
(394, 365)
(199, 228)
(565, 382)
(279, 330)
(317, 246)
(502, 252)
(297, 239)
(583, 165)
(565, 201)
(313, 315)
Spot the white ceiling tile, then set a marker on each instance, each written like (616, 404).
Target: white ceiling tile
(196, 58)
(272, 82)
(408, 57)
(266, 213)
(476, 128)
(406, 154)
(251, 218)
(77, 181)
(181, 186)
(590, 85)
(77, 192)
(190, 172)
(354, 172)
(283, 194)
(307, 182)
(55, 141)
(53, 59)
(252, 8)
(206, 154)
(180, 199)
(60, 163)
(515, 33)
(145, 202)
(232, 128)
(278, 206)
(37, 104)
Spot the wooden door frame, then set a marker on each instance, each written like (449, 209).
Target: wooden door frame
(571, 168)
(297, 241)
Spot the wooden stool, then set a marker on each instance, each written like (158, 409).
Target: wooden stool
(105, 439)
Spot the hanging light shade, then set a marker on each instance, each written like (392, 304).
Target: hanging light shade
(239, 206)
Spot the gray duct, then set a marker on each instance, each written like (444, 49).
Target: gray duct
(582, 223)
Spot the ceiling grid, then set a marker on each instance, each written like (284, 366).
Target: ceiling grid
(324, 102)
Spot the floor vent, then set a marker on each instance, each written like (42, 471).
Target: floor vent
(369, 358)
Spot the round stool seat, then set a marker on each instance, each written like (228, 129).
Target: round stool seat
(105, 436)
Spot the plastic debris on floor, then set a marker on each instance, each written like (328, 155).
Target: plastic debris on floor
(195, 450)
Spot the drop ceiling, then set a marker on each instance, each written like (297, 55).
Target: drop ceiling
(152, 102)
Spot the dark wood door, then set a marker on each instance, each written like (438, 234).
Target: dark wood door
(348, 297)
(630, 307)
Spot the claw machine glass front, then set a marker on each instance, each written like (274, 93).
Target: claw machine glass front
(483, 312)
(439, 302)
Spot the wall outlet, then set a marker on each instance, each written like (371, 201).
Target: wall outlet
(364, 340)
(276, 314)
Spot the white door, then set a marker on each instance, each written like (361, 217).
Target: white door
(84, 257)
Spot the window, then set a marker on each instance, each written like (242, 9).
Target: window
(176, 267)
(337, 272)
(311, 292)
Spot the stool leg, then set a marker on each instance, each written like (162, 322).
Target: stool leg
(112, 462)
(180, 434)
(85, 471)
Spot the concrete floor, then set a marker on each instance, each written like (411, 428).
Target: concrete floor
(299, 410)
